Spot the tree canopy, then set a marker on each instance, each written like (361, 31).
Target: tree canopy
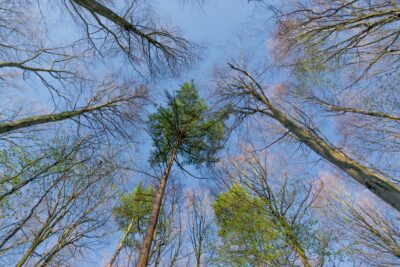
(187, 123)
(281, 149)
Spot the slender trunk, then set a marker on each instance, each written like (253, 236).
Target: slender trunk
(376, 183)
(42, 119)
(148, 238)
(42, 234)
(121, 244)
(288, 230)
(198, 259)
(158, 255)
(298, 248)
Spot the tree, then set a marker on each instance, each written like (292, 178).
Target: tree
(132, 216)
(183, 129)
(341, 32)
(139, 38)
(105, 113)
(55, 206)
(344, 58)
(247, 96)
(246, 231)
(200, 225)
(375, 231)
(266, 220)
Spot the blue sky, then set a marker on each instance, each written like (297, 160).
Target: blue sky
(220, 27)
(215, 26)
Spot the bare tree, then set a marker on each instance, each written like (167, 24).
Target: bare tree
(247, 96)
(108, 111)
(139, 38)
(62, 212)
(200, 224)
(348, 32)
(374, 231)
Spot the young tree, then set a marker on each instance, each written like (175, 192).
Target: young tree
(185, 132)
(246, 231)
(200, 224)
(132, 217)
(266, 218)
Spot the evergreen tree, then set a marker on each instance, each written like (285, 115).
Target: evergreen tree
(186, 132)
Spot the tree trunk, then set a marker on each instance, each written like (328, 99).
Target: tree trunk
(298, 248)
(198, 260)
(376, 183)
(96, 7)
(121, 244)
(42, 119)
(148, 238)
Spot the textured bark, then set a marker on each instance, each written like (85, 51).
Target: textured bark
(148, 238)
(96, 7)
(376, 183)
(42, 119)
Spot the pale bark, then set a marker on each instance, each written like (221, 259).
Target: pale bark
(43, 119)
(375, 182)
(121, 244)
(97, 8)
(379, 114)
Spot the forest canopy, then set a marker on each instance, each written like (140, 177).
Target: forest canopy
(199, 133)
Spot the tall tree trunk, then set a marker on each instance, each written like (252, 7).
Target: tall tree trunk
(148, 238)
(42, 119)
(376, 183)
(121, 244)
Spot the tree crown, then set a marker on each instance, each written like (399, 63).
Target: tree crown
(187, 123)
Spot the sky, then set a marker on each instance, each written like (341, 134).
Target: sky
(219, 27)
(214, 26)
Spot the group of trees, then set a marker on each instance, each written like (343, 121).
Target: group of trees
(310, 180)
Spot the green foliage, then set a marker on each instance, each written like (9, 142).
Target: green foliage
(135, 206)
(247, 233)
(186, 121)
(20, 165)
